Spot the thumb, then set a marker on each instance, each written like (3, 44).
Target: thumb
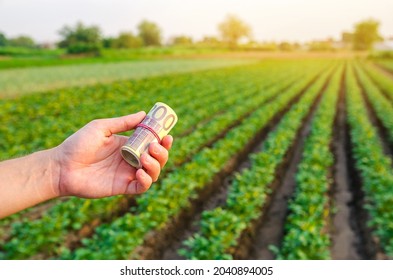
(121, 124)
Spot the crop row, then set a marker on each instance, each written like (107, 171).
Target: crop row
(71, 215)
(374, 167)
(15, 82)
(37, 109)
(386, 63)
(194, 112)
(307, 235)
(30, 116)
(383, 81)
(221, 228)
(43, 120)
(382, 106)
(155, 210)
(203, 134)
(13, 113)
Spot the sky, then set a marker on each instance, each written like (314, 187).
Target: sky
(270, 20)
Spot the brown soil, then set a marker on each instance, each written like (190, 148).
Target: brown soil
(368, 245)
(216, 200)
(269, 229)
(370, 248)
(345, 234)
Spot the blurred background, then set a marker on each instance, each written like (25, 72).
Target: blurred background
(130, 29)
(45, 33)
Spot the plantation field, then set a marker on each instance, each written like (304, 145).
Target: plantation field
(388, 64)
(20, 81)
(14, 57)
(272, 159)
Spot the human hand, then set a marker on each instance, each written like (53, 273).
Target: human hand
(91, 166)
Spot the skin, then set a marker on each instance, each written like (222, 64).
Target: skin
(87, 164)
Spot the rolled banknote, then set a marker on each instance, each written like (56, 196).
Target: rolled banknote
(157, 123)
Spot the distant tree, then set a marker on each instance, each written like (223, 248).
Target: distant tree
(181, 40)
(366, 34)
(3, 40)
(209, 41)
(150, 33)
(127, 40)
(232, 29)
(326, 45)
(268, 46)
(347, 38)
(296, 46)
(22, 41)
(286, 46)
(81, 39)
(107, 42)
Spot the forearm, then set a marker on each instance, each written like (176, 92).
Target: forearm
(27, 181)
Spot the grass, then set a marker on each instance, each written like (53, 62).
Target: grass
(12, 57)
(16, 82)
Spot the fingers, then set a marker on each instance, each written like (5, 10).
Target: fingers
(167, 142)
(141, 184)
(120, 124)
(152, 163)
(151, 166)
(159, 153)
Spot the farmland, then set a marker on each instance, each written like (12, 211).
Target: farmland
(275, 158)
(21, 81)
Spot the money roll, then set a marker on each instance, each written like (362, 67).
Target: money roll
(157, 123)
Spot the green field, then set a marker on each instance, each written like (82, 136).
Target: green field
(20, 81)
(13, 57)
(263, 151)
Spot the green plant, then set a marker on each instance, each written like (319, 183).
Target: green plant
(376, 171)
(247, 194)
(307, 235)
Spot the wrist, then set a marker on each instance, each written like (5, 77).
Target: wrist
(28, 181)
(54, 167)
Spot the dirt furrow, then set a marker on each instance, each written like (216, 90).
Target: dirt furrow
(345, 233)
(74, 238)
(369, 247)
(270, 228)
(218, 198)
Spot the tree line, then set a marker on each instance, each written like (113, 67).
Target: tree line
(89, 39)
